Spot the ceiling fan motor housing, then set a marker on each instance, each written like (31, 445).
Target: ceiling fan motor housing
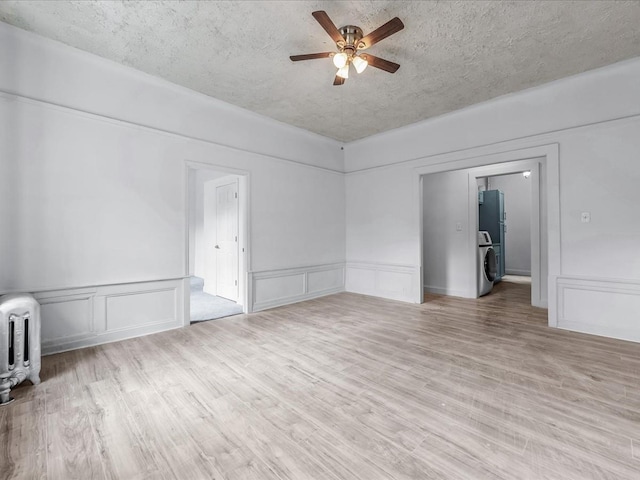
(352, 36)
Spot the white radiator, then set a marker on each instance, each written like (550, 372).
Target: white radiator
(19, 342)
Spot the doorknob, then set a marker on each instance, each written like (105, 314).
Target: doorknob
(217, 246)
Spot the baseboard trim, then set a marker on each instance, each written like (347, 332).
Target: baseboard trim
(445, 291)
(50, 348)
(257, 307)
(521, 273)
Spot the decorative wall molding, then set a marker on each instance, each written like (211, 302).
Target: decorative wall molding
(77, 318)
(525, 141)
(274, 288)
(159, 131)
(396, 282)
(599, 306)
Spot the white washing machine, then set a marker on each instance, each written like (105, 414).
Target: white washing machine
(488, 267)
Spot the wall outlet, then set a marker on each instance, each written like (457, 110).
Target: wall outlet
(458, 227)
(585, 217)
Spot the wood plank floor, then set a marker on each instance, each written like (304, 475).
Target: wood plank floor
(343, 387)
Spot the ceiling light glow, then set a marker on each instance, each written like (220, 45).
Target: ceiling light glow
(340, 59)
(344, 71)
(359, 63)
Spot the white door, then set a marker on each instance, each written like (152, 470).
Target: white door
(227, 241)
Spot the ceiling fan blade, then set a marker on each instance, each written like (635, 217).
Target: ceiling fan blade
(326, 23)
(381, 63)
(392, 26)
(310, 56)
(338, 80)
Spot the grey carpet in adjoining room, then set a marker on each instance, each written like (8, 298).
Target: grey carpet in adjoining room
(209, 307)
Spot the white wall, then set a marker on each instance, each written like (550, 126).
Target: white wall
(594, 118)
(37, 68)
(446, 263)
(99, 199)
(517, 206)
(93, 193)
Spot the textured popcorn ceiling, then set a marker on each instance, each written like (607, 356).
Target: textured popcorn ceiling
(453, 53)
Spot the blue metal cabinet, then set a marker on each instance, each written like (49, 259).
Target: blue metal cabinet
(491, 219)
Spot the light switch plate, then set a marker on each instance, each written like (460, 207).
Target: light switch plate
(585, 217)
(458, 227)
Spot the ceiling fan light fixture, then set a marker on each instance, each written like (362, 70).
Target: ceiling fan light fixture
(349, 39)
(340, 59)
(359, 63)
(343, 72)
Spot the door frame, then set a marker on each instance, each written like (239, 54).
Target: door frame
(244, 230)
(548, 157)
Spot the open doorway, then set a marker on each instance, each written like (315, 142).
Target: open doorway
(543, 162)
(217, 242)
(451, 252)
(523, 244)
(504, 213)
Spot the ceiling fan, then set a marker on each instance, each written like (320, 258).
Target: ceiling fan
(350, 41)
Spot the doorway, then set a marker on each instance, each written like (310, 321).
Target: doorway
(543, 161)
(532, 257)
(450, 225)
(217, 242)
(507, 221)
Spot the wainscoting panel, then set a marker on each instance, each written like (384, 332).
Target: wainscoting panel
(397, 282)
(66, 316)
(79, 318)
(324, 280)
(600, 307)
(126, 310)
(273, 288)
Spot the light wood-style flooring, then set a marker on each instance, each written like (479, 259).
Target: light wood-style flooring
(342, 387)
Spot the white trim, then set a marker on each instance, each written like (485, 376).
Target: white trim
(445, 291)
(65, 49)
(588, 320)
(549, 199)
(244, 230)
(512, 143)
(91, 325)
(285, 297)
(51, 291)
(77, 342)
(528, 141)
(397, 267)
(539, 249)
(519, 273)
(156, 130)
(375, 279)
